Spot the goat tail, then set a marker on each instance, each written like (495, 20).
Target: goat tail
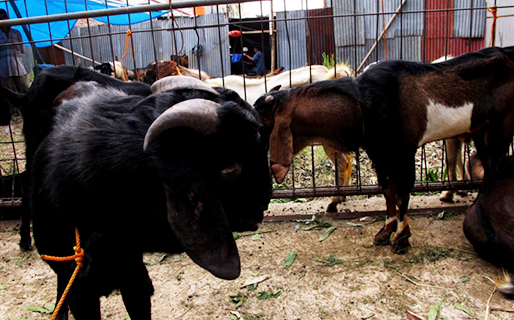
(9, 102)
(11, 96)
(505, 284)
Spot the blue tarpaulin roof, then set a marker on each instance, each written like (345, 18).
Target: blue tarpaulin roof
(43, 32)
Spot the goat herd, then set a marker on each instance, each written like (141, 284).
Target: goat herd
(129, 168)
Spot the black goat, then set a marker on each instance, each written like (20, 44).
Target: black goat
(407, 104)
(490, 220)
(176, 171)
(38, 110)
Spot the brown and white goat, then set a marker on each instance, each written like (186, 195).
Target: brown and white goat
(325, 112)
(408, 104)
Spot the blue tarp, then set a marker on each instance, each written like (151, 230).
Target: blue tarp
(43, 32)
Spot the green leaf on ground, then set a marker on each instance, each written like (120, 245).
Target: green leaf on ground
(252, 287)
(317, 223)
(462, 308)
(265, 295)
(434, 310)
(290, 259)
(38, 309)
(464, 279)
(50, 307)
(256, 237)
(330, 261)
(238, 299)
(3, 287)
(327, 233)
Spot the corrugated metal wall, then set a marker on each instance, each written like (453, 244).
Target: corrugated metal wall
(413, 35)
(149, 46)
(447, 32)
(291, 39)
(462, 28)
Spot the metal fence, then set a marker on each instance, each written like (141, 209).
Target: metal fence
(356, 32)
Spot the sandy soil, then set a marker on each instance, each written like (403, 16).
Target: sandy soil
(342, 277)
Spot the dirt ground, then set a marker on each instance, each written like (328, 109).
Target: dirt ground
(342, 277)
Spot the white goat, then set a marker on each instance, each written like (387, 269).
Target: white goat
(251, 89)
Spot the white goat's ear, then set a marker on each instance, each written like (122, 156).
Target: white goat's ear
(275, 88)
(269, 99)
(179, 83)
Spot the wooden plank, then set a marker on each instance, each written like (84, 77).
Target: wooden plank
(360, 214)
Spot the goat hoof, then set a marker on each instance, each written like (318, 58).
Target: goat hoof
(401, 242)
(332, 207)
(382, 238)
(24, 246)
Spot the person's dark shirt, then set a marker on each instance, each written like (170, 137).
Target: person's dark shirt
(258, 59)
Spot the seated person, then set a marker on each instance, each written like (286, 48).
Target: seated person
(258, 60)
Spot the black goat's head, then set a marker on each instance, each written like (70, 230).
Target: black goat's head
(221, 182)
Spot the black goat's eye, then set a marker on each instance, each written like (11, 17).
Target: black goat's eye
(233, 170)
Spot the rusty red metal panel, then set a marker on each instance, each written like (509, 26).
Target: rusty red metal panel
(438, 39)
(439, 23)
(320, 37)
(436, 48)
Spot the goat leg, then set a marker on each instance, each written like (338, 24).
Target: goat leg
(383, 237)
(136, 292)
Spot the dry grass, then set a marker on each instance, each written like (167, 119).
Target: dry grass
(12, 147)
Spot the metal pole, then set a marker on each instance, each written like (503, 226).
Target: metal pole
(27, 33)
(116, 11)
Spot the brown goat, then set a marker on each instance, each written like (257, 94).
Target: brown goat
(325, 112)
(182, 60)
(155, 71)
(159, 70)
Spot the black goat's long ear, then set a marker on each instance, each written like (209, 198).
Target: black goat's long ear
(281, 144)
(275, 88)
(200, 225)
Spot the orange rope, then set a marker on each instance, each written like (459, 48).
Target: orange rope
(173, 21)
(79, 258)
(494, 11)
(127, 43)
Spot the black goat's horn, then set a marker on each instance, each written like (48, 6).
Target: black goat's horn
(198, 114)
(180, 83)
